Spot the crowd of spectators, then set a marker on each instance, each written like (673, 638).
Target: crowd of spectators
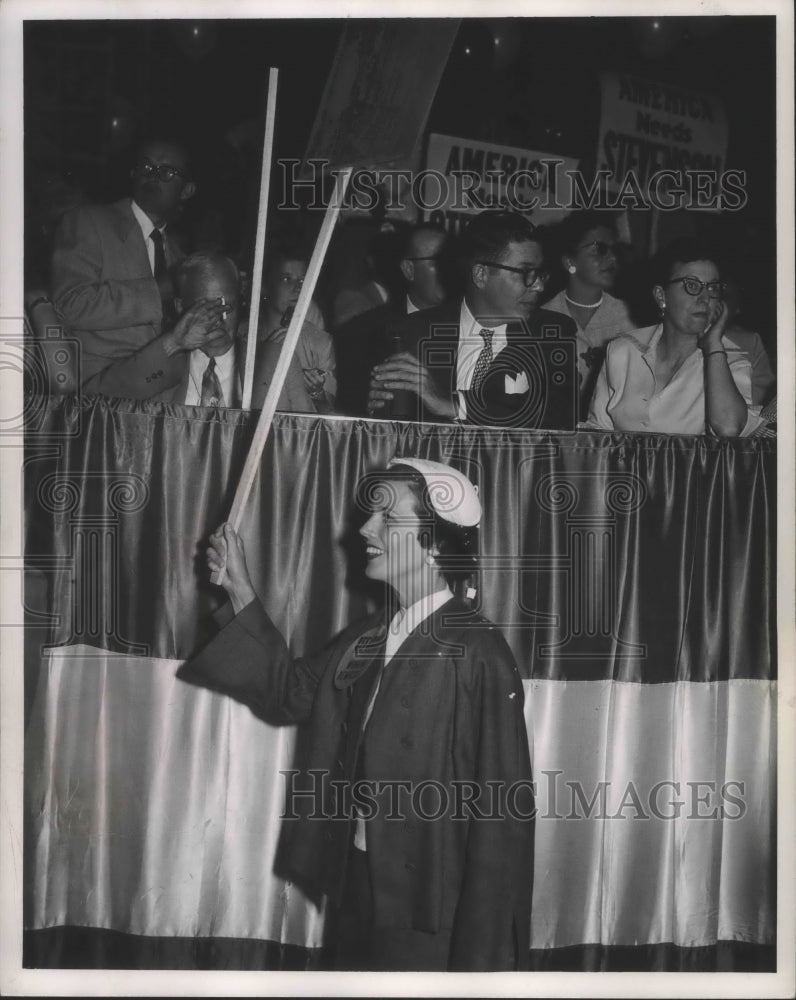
(507, 324)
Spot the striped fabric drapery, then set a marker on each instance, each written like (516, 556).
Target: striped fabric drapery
(633, 577)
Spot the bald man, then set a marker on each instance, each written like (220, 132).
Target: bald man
(365, 340)
(212, 364)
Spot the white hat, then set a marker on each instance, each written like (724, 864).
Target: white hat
(451, 493)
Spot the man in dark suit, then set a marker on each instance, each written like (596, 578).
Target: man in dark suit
(366, 339)
(111, 280)
(493, 357)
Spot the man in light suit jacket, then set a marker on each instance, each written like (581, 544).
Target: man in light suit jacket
(111, 280)
(492, 357)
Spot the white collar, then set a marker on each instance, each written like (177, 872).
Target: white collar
(225, 363)
(470, 328)
(143, 220)
(407, 619)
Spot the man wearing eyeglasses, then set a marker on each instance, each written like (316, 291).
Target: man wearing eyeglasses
(367, 339)
(111, 283)
(486, 358)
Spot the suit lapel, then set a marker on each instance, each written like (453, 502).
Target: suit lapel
(129, 232)
(130, 235)
(364, 676)
(240, 368)
(125, 223)
(443, 346)
(359, 674)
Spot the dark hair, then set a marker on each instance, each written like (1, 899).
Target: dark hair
(488, 234)
(572, 230)
(682, 251)
(154, 140)
(288, 246)
(457, 546)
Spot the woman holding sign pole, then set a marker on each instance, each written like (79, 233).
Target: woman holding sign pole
(410, 805)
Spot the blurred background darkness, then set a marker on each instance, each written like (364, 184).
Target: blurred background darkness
(93, 88)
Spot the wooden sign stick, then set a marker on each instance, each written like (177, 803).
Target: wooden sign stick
(286, 355)
(259, 244)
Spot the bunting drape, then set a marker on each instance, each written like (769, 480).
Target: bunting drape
(633, 576)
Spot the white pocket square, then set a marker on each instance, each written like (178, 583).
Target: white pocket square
(517, 385)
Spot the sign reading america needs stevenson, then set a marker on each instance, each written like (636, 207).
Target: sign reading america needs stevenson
(649, 129)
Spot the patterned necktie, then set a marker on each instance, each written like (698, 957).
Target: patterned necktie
(160, 270)
(483, 361)
(211, 387)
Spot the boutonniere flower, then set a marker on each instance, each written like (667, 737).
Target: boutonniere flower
(593, 357)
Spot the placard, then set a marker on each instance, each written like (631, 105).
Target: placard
(381, 85)
(464, 177)
(655, 138)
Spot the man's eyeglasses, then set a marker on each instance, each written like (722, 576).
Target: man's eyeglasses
(163, 171)
(530, 275)
(601, 248)
(694, 286)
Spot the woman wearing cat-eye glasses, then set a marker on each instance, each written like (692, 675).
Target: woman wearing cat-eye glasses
(684, 375)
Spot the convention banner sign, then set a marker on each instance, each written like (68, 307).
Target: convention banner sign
(382, 82)
(665, 143)
(465, 176)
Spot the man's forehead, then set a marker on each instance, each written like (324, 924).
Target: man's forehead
(213, 285)
(426, 243)
(165, 152)
(524, 252)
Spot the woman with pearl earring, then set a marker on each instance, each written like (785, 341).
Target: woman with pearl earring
(411, 729)
(588, 257)
(684, 375)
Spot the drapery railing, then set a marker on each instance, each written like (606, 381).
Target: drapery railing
(632, 575)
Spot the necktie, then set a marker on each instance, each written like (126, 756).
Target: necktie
(160, 270)
(211, 387)
(483, 361)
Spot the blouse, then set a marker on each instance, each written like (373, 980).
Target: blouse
(627, 398)
(610, 318)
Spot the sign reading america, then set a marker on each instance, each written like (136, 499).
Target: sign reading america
(655, 135)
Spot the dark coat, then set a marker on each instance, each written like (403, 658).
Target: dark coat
(449, 709)
(360, 344)
(543, 347)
